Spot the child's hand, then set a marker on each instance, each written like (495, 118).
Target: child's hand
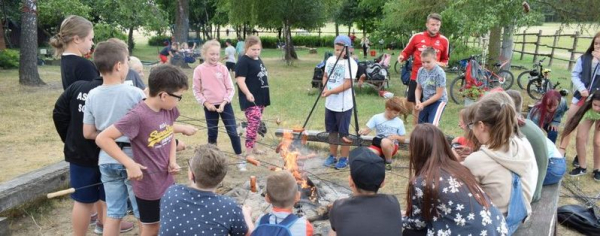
(553, 128)
(585, 93)
(419, 106)
(174, 167)
(326, 93)
(209, 106)
(250, 97)
(188, 130)
(247, 210)
(222, 107)
(135, 172)
(363, 132)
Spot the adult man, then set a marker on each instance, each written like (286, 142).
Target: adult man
(417, 43)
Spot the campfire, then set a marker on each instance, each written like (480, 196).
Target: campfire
(289, 151)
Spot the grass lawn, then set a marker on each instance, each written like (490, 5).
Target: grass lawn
(29, 140)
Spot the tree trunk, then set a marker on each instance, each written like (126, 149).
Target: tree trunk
(28, 71)
(494, 46)
(349, 28)
(2, 41)
(279, 33)
(182, 21)
(337, 29)
(507, 46)
(130, 43)
(218, 32)
(245, 30)
(237, 31)
(290, 52)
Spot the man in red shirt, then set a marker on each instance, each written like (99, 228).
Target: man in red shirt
(417, 43)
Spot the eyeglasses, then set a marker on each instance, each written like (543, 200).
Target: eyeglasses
(470, 125)
(179, 97)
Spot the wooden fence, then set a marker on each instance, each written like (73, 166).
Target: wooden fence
(553, 48)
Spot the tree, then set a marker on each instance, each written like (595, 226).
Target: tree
(28, 73)
(53, 12)
(182, 22)
(2, 41)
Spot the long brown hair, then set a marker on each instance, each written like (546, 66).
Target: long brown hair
(497, 111)
(467, 115)
(70, 27)
(591, 48)
(574, 121)
(430, 154)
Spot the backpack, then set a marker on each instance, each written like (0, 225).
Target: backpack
(579, 218)
(474, 74)
(406, 71)
(264, 228)
(376, 72)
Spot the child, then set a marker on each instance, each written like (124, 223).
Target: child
(229, 56)
(149, 127)
(136, 73)
(205, 212)
(338, 102)
(443, 196)
(366, 212)
(253, 87)
(74, 40)
(390, 131)
(548, 112)
(430, 94)
(556, 165)
(104, 106)
(503, 158)
(165, 54)
(586, 117)
(282, 193)
(240, 48)
(213, 89)
(464, 145)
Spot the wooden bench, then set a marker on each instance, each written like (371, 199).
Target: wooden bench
(543, 218)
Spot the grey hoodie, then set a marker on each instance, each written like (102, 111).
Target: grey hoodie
(492, 169)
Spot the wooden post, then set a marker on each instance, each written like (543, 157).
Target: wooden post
(575, 39)
(556, 35)
(523, 45)
(537, 46)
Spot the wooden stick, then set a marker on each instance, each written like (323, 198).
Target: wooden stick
(60, 193)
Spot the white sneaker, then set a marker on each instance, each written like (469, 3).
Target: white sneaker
(242, 166)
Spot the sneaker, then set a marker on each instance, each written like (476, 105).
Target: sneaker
(596, 175)
(242, 166)
(126, 226)
(388, 166)
(330, 161)
(578, 171)
(575, 162)
(342, 163)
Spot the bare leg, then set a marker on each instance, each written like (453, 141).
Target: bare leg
(112, 226)
(345, 151)
(80, 217)
(101, 208)
(333, 150)
(150, 229)
(581, 140)
(564, 143)
(597, 145)
(387, 146)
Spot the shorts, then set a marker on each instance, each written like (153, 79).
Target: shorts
(230, 65)
(338, 122)
(149, 210)
(163, 58)
(82, 176)
(376, 145)
(412, 86)
(117, 189)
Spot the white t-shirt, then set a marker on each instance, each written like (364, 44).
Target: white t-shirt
(552, 150)
(230, 54)
(342, 101)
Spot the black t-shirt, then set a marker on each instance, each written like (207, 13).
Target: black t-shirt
(74, 68)
(165, 51)
(366, 215)
(256, 81)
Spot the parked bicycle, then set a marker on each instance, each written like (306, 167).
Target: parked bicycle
(537, 87)
(489, 79)
(528, 75)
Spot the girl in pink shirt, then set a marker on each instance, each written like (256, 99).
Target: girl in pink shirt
(213, 89)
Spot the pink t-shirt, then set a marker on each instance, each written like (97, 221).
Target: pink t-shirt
(212, 83)
(151, 134)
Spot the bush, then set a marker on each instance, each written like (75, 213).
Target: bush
(300, 40)
(9, 59)
(103, 31)
(460, 52)
(158, 40)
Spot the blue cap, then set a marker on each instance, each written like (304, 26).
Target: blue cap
(343, 39)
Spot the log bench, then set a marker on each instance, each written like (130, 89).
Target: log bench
(543, 217)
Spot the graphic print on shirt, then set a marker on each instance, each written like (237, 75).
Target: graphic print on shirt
(81, 97)
(383, 128)
(162, 137)
(338, 74)
(261, 75)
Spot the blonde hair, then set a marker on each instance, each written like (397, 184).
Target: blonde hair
(208, 44)
(496, 110)
(282, 189)
(70, 27)
(251, 41)
(136, 64)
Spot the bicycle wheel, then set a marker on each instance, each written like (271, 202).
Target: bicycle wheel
(524, 78)
(505, 79)
(536, 88)
(397, 67)
(456, 88)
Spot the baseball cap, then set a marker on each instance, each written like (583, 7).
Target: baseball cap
(366, 169)
(343, 39)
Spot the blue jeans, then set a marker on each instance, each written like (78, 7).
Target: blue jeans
(517, 210)
(117, 188)
(552, 135)
(228, 117)
(432, 113)
(556, 169)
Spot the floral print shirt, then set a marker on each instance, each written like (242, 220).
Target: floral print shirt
(456, 211)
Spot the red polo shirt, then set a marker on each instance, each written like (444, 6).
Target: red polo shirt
(418, 42)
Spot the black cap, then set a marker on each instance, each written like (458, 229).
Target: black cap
(228, 41)
(366, 169)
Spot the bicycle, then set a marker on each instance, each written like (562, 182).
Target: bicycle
(530, 74)
(537, 87)
(502, 78)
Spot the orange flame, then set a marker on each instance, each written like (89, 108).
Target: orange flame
(290, 158)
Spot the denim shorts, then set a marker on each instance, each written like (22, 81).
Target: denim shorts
(556, 169)
(118, 189)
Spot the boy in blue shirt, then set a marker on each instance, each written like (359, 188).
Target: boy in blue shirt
(430, 95)
(390, 131)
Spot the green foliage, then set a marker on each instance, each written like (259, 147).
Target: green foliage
(104, 31)
(308, 41)
(9, 59)
(461, 51)
(158, 40)
(52, 12)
